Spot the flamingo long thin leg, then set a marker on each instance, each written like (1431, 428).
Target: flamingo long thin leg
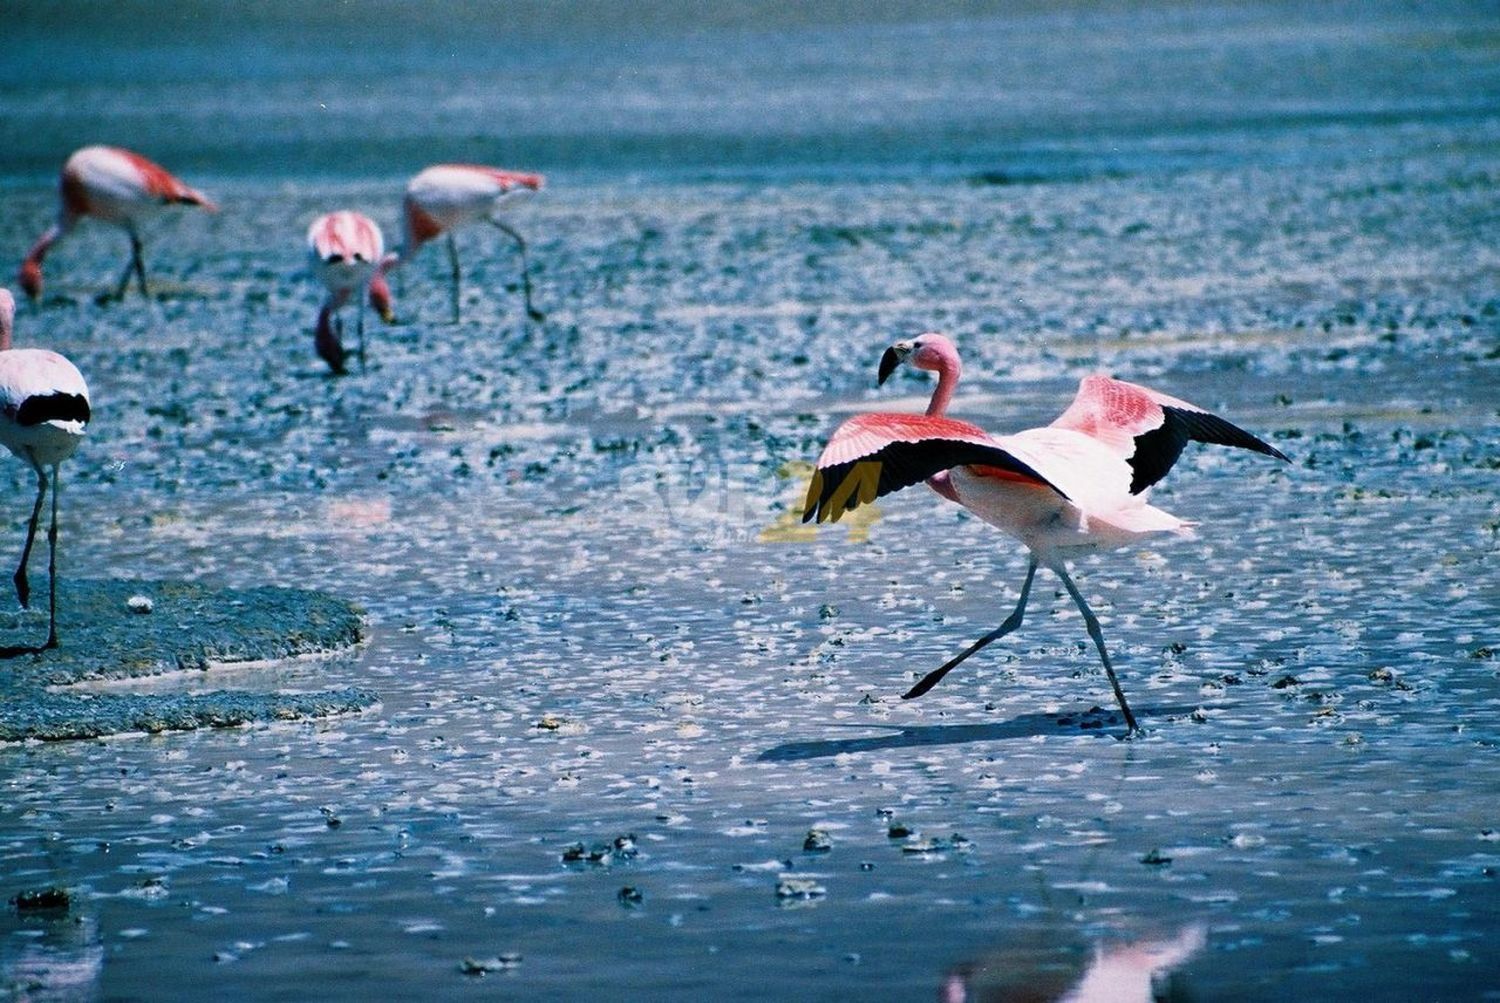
(122, 286)
(531, 311)
(457, 274)
(136, 266)
(1011, 623)
(52, 563)
(138, 258)
(23, 587)
(360, 329)
(1098, 635)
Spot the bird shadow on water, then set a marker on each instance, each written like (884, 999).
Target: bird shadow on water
(1095, 722)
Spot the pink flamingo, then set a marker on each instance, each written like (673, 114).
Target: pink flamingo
(116, 186)
(345, 251)
(1077, 485)
(446, 196)
(44, 409)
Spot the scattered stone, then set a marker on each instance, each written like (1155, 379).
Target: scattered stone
(148, 889)
(501, 963)
(550, 722)
(817, 841)
(793, 888)
(630, 896)
(1286, 681)
(602, 854)
(935, 844)
(898, 831)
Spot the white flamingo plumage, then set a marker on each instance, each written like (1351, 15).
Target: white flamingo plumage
(345, 252)
(44, 410)
(443, 197)
(116, 186)
(1076, 485)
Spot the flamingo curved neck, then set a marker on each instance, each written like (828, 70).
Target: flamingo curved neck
(948, 373)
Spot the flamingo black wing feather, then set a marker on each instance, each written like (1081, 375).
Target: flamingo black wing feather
(1157, 450)
(838, 487)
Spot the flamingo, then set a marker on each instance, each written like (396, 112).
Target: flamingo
(116, 186)
(44, 409)
(1077, 485)
(445, 196)
(345, 251)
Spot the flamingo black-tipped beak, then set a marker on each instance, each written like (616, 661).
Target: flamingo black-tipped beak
(892, 358)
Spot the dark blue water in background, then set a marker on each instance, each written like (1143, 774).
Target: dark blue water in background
(1028, 91)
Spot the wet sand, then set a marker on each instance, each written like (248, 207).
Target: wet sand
(592, 612)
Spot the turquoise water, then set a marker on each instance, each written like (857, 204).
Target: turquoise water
(592, 610)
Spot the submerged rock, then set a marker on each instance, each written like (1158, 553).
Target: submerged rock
(105, 636)
(817, 841)
(52, 899)
(793, 888)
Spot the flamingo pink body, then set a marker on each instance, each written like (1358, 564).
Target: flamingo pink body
(115, 186)
(445, 196)
(345, 251)
(44, 410)
(1078, 484)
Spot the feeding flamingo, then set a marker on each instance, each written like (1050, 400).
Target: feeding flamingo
(345, 251)
(44, 409)
(1077, 485)
(116, 186)
(446, 196)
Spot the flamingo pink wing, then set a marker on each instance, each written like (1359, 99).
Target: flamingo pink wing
(872, 455)
(161, 183)
(1147, 428)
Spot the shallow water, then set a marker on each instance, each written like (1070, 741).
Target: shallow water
(593, 611)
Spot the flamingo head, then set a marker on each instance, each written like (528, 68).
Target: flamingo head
(31, 277)
(930, 351)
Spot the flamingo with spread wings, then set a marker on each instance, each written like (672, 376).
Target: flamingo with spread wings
(1077, 485)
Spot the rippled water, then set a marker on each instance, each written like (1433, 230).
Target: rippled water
(594, 614)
